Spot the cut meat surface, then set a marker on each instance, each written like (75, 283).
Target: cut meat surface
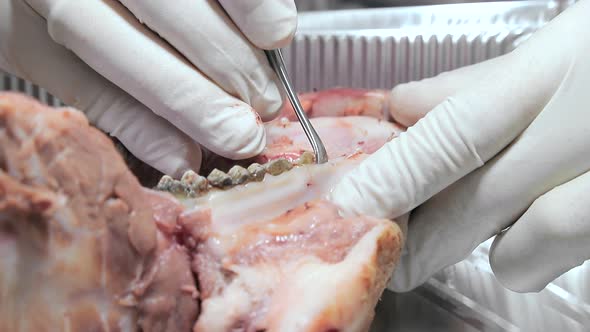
(167, 289)
(80, 249)
(340, 136)
(292, 265)
(347, 120)
(254, 277)
(86, 248)
(340, 102)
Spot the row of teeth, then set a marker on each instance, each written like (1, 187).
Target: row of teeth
(192, 185)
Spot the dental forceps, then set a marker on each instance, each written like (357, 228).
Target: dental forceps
(278, 65)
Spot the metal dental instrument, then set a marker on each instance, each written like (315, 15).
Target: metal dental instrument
(276, 62)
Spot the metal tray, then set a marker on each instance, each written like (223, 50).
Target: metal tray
(467, 297)
(382, 47)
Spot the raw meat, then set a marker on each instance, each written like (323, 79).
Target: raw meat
(295, 264)
(280, 239)
(79, 248)
(85, 247)
(348, 120)
(339, 102)
(341, 136)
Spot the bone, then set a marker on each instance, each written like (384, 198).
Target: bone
(278, 166)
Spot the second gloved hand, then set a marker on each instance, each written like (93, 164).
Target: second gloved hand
(164, 77)
(505, 142)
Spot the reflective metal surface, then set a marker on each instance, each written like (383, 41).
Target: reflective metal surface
(277, 63)
(314, 5)
(435, 307)
(380, 48)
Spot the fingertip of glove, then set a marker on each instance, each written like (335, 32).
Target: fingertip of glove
(508, 268)
(278, 37)
(268, 24)
(275, 24)
(240, 134)
(357, 193)
(176, 165)
(341, 196)
(173, 158)
(517, 282)
(408, 103)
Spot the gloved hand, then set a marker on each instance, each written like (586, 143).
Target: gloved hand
(196, 64)
(507, 142)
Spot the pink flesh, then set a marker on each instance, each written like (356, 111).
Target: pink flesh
(248, 277)
(253, 268)
(79, 247)
(347, 120)
(341, 137)
(339, 102)
(271, 255)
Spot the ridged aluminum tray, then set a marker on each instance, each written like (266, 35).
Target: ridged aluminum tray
(382, 47)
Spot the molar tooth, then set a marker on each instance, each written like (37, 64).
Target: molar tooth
(238, 175)
(306, 158)
(172, 186)
(178, 187)
(278, 166)
(194, 183)
(165, 183)
(257, 171)
(219, 179)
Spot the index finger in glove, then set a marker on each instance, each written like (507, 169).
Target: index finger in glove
(147, 136)
(456, 137)
(268, 24)
(411, 101)
(203, 33)
(142, 64)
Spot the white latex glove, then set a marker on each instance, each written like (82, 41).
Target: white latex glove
(188, 75)
(507, 143)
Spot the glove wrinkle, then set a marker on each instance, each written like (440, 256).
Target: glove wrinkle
(201, 32)
(108, 107)
(526, 116)
(423, 160)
